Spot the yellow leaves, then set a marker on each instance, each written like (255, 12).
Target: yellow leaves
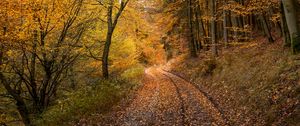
(9, 53)
(80, 50)
(94, 64)
(236, 7)
(275, 17)
(249, 45)
(250, 7)
(124, 54)
(23, 35)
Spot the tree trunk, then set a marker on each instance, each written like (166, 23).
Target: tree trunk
(202, 27)
(108, 40)
(284, 32)
(111, 24)
(105, 56)
(290, 7)
(225, 34)
(199, 24)
(191, 34)
(23, 112)
(213, 28)
(234, 26)
(266, 28)
(34, 94)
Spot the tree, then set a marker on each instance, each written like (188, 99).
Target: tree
(225, 31)
(290, 10)
(266, 28)
(213, 28)
(38, 49)
(193, 51)
(284, 29)
(111, 25)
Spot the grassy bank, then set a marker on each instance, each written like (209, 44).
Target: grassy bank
(91, 97)
(86, 102)
(254, 84)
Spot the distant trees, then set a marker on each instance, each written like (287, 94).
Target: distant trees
(221, 23)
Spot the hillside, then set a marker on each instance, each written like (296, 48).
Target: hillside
(256, 83)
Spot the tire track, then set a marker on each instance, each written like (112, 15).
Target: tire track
(216, 111)
(182, 107)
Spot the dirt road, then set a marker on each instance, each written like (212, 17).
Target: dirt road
(168, 100)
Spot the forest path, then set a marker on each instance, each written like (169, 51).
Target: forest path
(166, 99)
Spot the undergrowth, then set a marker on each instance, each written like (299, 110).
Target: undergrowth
(87, 101)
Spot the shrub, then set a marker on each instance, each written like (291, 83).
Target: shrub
(85, 102)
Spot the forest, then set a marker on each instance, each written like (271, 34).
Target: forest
(150, 62)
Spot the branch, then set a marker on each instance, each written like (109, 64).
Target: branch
(123, 5)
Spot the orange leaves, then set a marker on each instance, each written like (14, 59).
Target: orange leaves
(236, 7)
(275, 17)
(252, 6)
(51, 20)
